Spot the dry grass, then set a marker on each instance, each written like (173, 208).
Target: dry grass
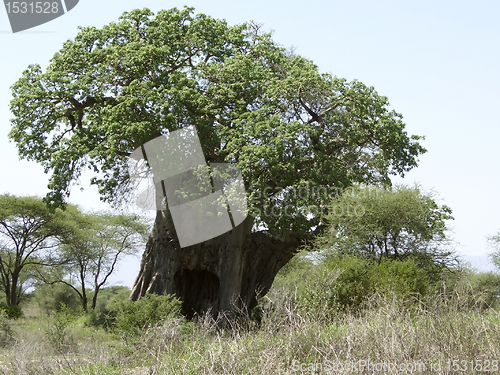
(387, 330)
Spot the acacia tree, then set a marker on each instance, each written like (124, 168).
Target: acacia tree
(273, 114)
(494, 241)
(30, 234)
(394, 223)
(98, 243)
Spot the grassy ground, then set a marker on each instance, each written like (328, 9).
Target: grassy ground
(412, 337)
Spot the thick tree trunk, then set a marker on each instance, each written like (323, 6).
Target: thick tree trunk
(222, 275)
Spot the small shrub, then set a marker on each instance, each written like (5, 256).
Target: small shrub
(361, 278)
(318, 294)
(109, 297)
(487, 285)
(150, 310)
(50, 297)
(346, 282)
(12, 312)
(403, 278)
(465, 289)
(6, 333)
(57, 332)
(97, 318)
(353, 285)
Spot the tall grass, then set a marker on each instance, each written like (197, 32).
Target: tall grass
(450, 325)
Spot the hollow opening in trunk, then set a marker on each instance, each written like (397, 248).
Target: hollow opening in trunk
(198, 290)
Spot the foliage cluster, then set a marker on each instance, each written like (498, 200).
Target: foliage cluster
(50, 298)
(57, 332)
(272, 113)
(341, 283)
(150, 310)
(12, 312)
(129, 318)
(360, 278)
(110, 297)
(6, 332)
(55, 246)
(398, 223)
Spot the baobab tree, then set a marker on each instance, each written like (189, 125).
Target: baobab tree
(287, 126)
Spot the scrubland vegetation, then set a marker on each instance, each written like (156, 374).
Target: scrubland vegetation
(339, 309)
(384, 287)
(317, 154)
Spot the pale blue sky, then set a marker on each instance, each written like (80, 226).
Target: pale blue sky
(438, 62)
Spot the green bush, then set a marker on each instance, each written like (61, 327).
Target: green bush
(150, 310)
(109, 297)
(11, 312)
(341, 282)
(487, 284)
(6, 332)
(316, 292)
(403, 278)
(354, 282)
(293, 275)
(110, 301)
(97, 318)
(360, 278)
(57, 332)
(50, 297)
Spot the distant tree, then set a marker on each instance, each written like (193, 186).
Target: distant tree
(99, 242)
(50, 297)
(394, 223)
(110, 296)
(30, 234)
(494, 241)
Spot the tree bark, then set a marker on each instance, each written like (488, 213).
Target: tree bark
(94, 298)
(12, 295)
(224, 276)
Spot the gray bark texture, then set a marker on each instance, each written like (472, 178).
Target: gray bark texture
(224, 276)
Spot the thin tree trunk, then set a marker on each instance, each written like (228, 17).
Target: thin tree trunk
(7, 294)
(94, 298)
(13, 290)
(84, 292)
(226, 274)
